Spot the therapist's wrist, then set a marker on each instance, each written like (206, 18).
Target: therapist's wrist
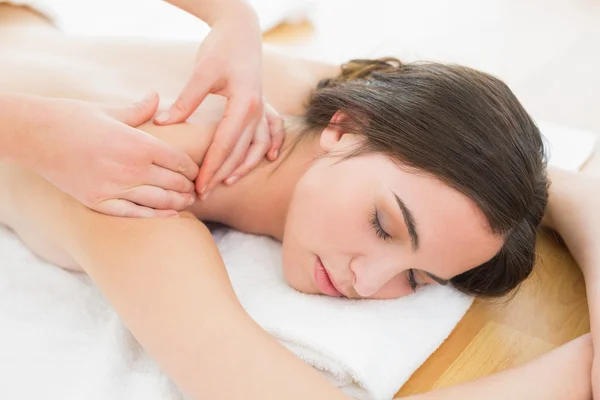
(239, 12)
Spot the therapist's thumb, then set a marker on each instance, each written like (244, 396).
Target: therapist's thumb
(137, 113)
(188, 101)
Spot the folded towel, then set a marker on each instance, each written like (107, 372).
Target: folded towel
(61, 340)
(369, 348)
(151, 19)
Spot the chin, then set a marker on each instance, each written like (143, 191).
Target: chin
(297, 280)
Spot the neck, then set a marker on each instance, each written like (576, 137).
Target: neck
(259, 202)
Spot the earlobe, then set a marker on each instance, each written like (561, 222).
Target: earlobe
(332, 134)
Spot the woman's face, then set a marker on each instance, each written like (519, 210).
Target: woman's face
(366, 228)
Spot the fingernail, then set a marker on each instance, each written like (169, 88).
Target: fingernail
(162, 117)
(231, 180)
(204, 196)
(191, 201)
(203, 189)
(176, 215)
(275, 154)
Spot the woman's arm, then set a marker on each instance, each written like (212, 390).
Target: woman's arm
(562, 374)
(574, 212)
(167, 282)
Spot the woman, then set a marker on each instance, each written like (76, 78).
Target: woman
(362, 210)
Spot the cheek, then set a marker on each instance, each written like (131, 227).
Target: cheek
(315, 215)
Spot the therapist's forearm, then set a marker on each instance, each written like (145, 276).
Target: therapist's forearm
(211, 11)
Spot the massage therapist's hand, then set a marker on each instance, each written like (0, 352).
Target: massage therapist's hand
(95, 154)
(229, 63)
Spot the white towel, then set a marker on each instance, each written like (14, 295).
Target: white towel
(59, 339)
(567, 148)
(369, 348)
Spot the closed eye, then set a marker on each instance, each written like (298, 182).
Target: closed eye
(412, 280)
(379, 231)
(410, 277)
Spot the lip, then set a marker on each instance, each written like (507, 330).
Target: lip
(323, 280)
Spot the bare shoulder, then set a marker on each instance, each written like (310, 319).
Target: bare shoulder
(190, 137)
(288, 80)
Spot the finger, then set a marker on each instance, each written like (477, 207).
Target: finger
(167, 157)
(124, 208)
(168, 180)
(159, 199)
(256, 152)
(276, 130)
(238, 113)
(187, 215)
(233, 161)
(137, 113)
(188, 101)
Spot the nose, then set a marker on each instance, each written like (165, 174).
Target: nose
(370, 276)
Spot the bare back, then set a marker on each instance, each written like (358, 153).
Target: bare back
(39, 59)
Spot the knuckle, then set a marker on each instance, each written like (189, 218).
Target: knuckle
(262, 139)
(166, 200)
(255, 104)
(131, 167)
(180, 106)
(184, 185)
(178, 202)
(130, 212)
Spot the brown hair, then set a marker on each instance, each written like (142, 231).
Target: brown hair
(465, 128)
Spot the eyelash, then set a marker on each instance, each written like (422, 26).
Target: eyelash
(411, 280)
(377, 226)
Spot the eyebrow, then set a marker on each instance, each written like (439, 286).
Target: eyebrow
(437, 278)
(411, 224)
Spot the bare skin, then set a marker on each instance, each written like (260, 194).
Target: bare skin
(184, 267)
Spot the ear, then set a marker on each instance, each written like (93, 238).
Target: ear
(332, 134)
